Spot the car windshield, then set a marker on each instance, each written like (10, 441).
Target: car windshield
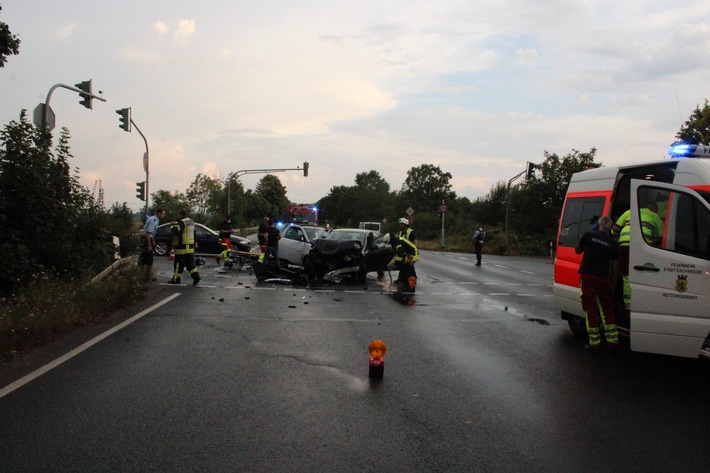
(313, 232)
(346, 235)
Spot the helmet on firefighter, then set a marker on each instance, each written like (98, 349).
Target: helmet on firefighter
(403, 221)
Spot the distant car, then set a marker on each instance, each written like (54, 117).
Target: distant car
(297, 241)
(350, 252)
(207, 241)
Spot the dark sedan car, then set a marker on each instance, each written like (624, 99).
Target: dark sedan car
(207, 241)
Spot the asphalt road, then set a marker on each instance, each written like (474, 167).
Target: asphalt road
(235, 375)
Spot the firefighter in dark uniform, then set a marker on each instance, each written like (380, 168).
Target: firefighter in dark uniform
(184, 245)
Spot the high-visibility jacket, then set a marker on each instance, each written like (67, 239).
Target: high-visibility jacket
(183, 236)
(407, 251)
(651, 226)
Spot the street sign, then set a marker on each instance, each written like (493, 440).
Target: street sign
(38, 117)
(409, 211)
(145, 161)
(442, 208)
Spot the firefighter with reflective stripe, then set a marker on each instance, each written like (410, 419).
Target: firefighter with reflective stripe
(598, 301)
(406, 250)
(652, 229)
(184, 245)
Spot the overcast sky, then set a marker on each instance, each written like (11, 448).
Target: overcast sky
(475, 87)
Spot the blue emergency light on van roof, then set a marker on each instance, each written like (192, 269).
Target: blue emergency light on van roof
(684, 150)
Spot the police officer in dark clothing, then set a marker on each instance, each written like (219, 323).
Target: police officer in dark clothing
(478, 237)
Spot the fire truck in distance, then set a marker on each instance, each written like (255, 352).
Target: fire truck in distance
(303, 214)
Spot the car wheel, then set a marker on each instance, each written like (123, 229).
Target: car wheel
(162, 248)
(578, 325)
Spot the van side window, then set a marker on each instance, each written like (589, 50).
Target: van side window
(580, 214)
(686, 222)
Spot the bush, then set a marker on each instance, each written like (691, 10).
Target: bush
(49, 306)
(496, 243)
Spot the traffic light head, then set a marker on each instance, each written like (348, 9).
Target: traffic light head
(305, 169)
(124, 121)
(86, 93)
(140, 190)
(530, 170)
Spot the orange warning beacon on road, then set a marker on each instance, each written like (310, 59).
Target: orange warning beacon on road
(377, 349)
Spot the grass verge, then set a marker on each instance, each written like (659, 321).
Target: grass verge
(50, 306)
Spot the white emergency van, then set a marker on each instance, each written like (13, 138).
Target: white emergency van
(670, 278)
(376, 226)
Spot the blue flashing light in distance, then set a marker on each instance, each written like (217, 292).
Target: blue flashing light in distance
(279, 225)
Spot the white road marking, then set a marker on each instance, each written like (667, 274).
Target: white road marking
(85, 346)
(526, 271)
(498, 294)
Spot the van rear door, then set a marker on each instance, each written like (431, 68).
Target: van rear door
(670, 277)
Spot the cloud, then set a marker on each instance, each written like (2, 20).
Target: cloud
(65, 31)
(211, 169)
(223, 55)
(526, 56)
(186, 28)
(161, 27)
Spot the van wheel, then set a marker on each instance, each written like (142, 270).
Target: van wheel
(578, 325)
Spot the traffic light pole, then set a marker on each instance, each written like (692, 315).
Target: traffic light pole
(146, 167)
(45, 113)
(529, 169)
(507, 200)
(258, 171)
